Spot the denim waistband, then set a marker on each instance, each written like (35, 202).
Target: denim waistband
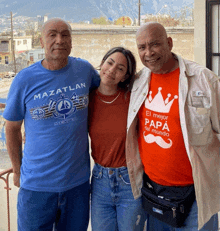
(110, 170)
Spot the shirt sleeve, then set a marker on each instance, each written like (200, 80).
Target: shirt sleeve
(15, 106)
(95, 79)
(215, 112)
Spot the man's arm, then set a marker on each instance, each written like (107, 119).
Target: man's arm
(14, 147)
(215, 113)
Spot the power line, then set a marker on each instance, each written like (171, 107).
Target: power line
(12, 44)
(139, 12)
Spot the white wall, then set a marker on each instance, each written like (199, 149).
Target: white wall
(22, 46)
(200, 31)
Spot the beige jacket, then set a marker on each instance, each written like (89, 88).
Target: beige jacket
(199, 107)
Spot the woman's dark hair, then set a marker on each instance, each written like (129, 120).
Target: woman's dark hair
(131, 70)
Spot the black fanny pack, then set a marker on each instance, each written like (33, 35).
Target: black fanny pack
(170, 204)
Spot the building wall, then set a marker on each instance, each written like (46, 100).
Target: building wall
(23, 44)
(3, 57)
(92, 47)
(200, 31)
(35, 55)
(4, 45)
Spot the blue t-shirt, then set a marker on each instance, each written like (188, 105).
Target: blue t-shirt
(54, 107)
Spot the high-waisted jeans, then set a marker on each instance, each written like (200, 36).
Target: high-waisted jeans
(113, 207)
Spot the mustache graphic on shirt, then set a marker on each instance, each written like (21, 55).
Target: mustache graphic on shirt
(158, 140)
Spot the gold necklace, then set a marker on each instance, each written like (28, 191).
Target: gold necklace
(107, 101)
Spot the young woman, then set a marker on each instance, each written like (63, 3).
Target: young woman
(113, 206)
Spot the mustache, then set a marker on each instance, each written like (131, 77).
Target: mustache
(59, 48)
(158, 140)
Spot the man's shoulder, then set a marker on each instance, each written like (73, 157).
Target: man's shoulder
(27, 71)
(79, 61)
(193, 67)
(197, 71)
(141, 79)
(144, 72)
(31, 68)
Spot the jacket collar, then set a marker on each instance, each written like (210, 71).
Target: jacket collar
(184, 67)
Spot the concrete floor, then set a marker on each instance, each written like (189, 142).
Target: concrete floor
(5, 162)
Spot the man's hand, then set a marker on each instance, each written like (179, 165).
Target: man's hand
(16, 179)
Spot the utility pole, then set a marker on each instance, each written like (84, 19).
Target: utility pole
(12, 44)
(139, 12)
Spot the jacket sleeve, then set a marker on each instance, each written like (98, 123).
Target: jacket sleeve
(215, 112)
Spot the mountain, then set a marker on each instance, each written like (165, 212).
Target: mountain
(81, 10)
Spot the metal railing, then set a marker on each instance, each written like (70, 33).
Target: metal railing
(4, 175)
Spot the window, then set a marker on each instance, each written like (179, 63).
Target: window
(0, 59)
(18, 42)
(40, 56)
(31, 57)
(25, 41)
(4, 46)
(212, 35)
(4, 42)
(6, 59)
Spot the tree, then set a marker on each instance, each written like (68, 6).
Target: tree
(34, 32)
(101, 21)
(187, 16)
(164, 19)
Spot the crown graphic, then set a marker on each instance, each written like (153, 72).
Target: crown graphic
(158, 104)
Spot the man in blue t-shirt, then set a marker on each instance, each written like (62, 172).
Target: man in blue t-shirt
(51, 97)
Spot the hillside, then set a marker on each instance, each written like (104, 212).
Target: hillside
(82, 10)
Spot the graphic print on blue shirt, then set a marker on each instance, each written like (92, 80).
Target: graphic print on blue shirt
(62, 107)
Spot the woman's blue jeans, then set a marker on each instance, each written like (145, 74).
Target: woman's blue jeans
(113, 207)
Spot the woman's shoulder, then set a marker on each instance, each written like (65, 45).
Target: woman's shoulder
(126, 94)
(92, 93)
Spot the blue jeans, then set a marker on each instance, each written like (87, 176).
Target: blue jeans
(113, 206)
(191, 223)
(45, 211)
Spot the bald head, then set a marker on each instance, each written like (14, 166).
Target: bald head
(149, 26)
(54, 20)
